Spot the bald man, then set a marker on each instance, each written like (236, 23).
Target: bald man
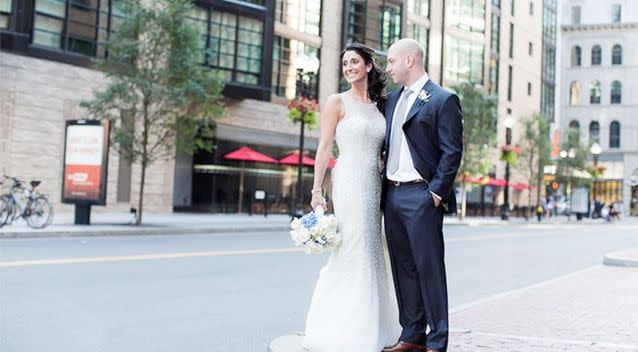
(423, 147)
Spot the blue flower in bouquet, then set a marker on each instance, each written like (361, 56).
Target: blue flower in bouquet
(309, 220)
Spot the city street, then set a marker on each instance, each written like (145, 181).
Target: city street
(236, 292)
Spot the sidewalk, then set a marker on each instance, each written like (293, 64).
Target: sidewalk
(591, 310)
(112, 224)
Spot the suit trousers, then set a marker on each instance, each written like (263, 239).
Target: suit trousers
(414, 231)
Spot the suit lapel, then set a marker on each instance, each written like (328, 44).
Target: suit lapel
(418, 103)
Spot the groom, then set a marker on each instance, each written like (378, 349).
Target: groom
(423, 147)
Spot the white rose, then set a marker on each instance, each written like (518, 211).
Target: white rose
(300, 235)
(295, 224)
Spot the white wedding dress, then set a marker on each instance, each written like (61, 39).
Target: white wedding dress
(354, 305)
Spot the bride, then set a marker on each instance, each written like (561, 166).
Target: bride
(354, 307)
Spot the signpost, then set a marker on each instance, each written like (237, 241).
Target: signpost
(86, 149)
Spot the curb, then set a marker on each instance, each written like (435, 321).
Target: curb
(627, 259)
(142, 231)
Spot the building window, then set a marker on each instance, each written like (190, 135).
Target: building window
(70, 25)
(284, 73)
(573, 132)
(495, 34)
(529, 88)
(616, 55)
(467, 15)
(594, 132)
(356, 21)
(575, 14)
(614, 135)
(464, 60)
(496, 3)
(302, 15)
(531, 8)
(234, 44)
(421, 34)
(616, 92)
(494, 64)
(530, 49)
(5, 13)
(596, 55)
(594, 92)
(509, 83)
(390, 26)
(512, 7)
(574, 93)
(576, 56)
(511, 53)
(419, 8)
(616, 10)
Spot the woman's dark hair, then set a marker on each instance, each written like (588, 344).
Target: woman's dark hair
(376, 76)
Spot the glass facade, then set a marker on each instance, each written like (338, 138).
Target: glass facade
(284, 75)
(302, 15)
(356, 17)
(616, 55)
(390, 26)
(464, 60)
(421, 34)
(594, 92)
(596, 55)
(233, 44)
(614, 134)
(616, 92)
(594, 132)
(5, 13)
(616, 12)
(467, 14)
(77, 26)
(420, 8)
(548, 81)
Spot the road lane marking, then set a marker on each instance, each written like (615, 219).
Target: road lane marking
(87, 260)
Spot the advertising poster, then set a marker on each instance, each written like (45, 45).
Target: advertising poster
(85, 162)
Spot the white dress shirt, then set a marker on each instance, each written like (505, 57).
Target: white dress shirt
(406, 171)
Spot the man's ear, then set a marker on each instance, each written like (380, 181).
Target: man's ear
(409, 61)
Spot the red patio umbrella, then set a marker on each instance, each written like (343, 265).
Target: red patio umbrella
(331, 163)
(519, 186)
(293, 159)
(244, 154)
(499, 182)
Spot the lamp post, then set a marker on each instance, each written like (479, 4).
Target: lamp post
(505, 211)
(307, 66)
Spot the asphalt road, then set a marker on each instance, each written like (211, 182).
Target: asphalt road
(236, 292)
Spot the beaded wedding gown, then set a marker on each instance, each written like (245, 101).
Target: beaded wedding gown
(354, 305)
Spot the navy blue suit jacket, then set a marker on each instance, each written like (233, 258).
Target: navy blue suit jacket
(434, 132)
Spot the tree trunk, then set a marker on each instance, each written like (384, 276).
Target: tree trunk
(140, 202)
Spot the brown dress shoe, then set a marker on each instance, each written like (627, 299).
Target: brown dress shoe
(389, 347)
(432, 350)
(405, 347)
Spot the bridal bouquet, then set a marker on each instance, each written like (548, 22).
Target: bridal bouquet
(315, 232)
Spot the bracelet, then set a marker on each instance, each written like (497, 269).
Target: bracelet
(315, 190)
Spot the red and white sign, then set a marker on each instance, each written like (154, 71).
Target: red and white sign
(84, 155)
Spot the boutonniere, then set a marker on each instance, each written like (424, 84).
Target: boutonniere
(424, 96)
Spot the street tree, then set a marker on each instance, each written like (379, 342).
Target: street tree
(479, 135)
(534, 154)
(160, 97)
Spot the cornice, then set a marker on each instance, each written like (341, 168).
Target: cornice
(598, 27)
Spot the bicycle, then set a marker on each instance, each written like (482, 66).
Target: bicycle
(36, 211)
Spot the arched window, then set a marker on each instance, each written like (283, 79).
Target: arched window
(574, 93)
(573, 132)
(614, 135)
(594, 92)
(594, 132)
(616, 55)
(596, 55)
(616, 92)
(576, 54)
